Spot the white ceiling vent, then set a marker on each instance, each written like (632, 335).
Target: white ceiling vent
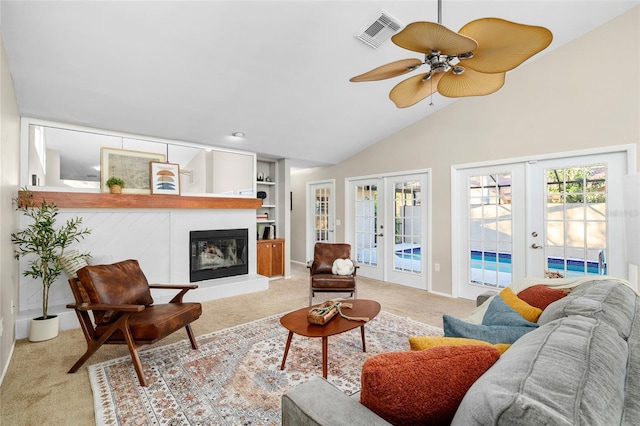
(379, 29)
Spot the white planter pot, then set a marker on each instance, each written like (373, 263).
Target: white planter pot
(41, 329)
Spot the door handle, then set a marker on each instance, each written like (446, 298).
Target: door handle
(380, 234)
(535, 246)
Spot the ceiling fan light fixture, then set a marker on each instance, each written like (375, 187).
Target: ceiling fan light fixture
(489, 48)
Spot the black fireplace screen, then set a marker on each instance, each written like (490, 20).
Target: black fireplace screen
(218, 253)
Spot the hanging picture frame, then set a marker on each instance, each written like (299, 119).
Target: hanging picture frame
(130, 166)
(165, 178)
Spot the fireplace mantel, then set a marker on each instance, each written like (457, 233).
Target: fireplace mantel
(94, 200)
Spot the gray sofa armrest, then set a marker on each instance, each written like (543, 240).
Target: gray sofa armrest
(485, 296)
(318, 402)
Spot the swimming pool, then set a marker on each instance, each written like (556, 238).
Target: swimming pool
(574, 267)
(409, 253)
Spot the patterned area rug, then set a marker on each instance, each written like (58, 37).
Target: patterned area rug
(234, 378)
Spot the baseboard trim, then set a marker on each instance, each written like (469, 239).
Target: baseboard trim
(6, 366)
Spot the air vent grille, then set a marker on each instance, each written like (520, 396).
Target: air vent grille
(379, 29)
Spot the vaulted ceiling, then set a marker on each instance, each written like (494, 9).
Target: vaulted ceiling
(276, 70)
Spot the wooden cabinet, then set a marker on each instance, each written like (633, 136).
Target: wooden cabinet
(271, 257)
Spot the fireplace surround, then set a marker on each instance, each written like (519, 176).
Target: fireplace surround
(218, 253)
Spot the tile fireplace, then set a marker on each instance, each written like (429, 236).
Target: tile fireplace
(218, 253)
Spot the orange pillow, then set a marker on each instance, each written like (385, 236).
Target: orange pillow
(422, 387)
(528, 312)
(541, 296)
(420, 343)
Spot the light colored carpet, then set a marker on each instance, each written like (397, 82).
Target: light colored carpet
(37, 389)
(234, 377)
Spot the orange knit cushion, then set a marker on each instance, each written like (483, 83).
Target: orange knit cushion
(422, 387)
(541, 296)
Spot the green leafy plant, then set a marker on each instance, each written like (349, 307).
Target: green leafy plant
(115, 181)
(44, 242)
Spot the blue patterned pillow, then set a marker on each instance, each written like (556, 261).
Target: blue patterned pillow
(454, 327)
(499, 313)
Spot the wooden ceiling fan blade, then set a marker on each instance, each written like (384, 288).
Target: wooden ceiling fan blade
(392, 69)
(469, 83)
(414, 89)
(425, 37)
(503, 45)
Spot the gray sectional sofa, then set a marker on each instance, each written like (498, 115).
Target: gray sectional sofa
(580, 367)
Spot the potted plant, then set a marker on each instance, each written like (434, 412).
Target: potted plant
(45, 244)
(115, 185)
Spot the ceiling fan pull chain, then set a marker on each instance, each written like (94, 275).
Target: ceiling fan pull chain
(431, 96)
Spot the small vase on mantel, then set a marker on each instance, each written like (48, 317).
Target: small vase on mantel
(115, 189)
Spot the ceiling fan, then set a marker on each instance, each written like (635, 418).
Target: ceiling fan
(471, 62)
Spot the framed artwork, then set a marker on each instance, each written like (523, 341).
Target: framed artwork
(165, 178)
(130, 166)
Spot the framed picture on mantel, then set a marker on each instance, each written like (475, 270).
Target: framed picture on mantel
(165, 178)
(130, 166)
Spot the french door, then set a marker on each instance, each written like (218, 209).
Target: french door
(389, 224)
(321, 206)
(368, 227)
(543, 218)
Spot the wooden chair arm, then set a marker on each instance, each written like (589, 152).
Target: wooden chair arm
(105, 307)
(174, 286)
(182, 287)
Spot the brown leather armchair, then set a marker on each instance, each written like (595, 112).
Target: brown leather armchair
(322, 279)
(120, 299)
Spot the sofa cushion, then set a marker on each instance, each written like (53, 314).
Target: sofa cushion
(609, 301)
(422, 387)
(541, 296)
(499, 313)
(420, 343)
(454, 327)
(528, 312)
(317, 402)
(632, 387)
(570, 371)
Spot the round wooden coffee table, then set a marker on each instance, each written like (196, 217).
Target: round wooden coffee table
(296, 322)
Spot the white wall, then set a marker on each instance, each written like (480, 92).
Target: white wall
(564, 100)
(158, 239)
(9, 175)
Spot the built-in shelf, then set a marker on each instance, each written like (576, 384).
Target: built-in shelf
(94, 200)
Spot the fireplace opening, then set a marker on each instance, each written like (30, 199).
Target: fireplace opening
(218, 253)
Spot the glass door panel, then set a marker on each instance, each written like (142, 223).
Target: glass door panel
(406, 209)
(368, 230)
